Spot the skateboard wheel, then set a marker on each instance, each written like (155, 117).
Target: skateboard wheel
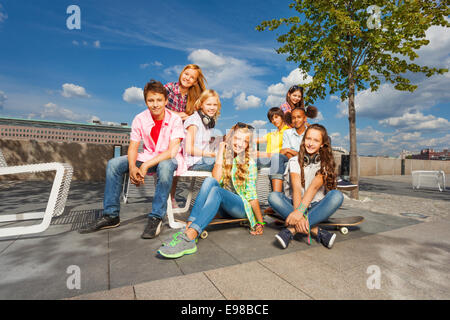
(344, 230)
(204, 234)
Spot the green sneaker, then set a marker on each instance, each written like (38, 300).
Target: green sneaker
(178, 247)
(166, 241)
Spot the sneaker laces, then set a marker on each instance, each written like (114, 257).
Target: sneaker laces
(175, 239)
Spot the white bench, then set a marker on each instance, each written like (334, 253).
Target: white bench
(431, 179)
(55, 203)
(130, 190)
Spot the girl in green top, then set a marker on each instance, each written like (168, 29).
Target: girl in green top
(231, 193)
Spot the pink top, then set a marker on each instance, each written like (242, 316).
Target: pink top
(172, 128)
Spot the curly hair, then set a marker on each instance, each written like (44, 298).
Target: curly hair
(229, 155)
(327, 164)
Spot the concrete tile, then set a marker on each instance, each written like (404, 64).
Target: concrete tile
(244, 247)
(124, 293)
(254, 282)
(134, 260)
(208, 256)
(29, 265)
(194, 286)
(393, 286)
(316, 279)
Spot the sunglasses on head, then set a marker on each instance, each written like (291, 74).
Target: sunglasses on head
(244, 125)
(295, 88)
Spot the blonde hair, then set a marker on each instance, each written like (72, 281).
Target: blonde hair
(196, 89)
(243, 164)
(205, 96)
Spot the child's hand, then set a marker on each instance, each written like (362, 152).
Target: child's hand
(259, 230)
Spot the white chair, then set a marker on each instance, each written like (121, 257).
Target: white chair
(430, 179)
(130, 189)
(56, 201)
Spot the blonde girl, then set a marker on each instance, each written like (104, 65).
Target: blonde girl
(230, 192)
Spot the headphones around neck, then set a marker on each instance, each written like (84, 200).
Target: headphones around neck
(314, 159)
(207, 120)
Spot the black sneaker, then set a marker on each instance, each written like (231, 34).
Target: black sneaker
(326, 238)
(104, 222)
(344, 184)
(284, 237)
(152, 229)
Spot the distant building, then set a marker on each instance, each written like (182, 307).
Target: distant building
(339, 150)
(405, 154)
(44, 130)
(430, 154)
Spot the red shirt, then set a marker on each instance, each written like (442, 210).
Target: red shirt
(154, 133)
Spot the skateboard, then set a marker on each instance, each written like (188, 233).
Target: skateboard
(341, 224)
(243, 222)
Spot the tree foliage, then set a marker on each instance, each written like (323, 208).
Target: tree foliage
(331, 40)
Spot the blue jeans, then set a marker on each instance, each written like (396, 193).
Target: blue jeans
(278, 164)
(211, 199)
(115, 171)
(205, 164)
(318, 211)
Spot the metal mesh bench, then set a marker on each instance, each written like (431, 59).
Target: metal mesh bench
(56, 202)
(428, 179)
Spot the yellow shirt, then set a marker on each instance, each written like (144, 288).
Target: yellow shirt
(275, 140)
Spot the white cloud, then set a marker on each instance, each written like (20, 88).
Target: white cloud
(206, 59)
(71, 90)
(133, 95)
(258, 123)
(3, 14)
(274, 101)
(389, 102)
(75, 43)
(55, 112)
(277, 92)
(417, 121)
(436, 53)
(225, 74)
(241, 102)
(228, 94)
(3, 98)
(148, 64)
(334, 98)
(318, 118)
(97, 44)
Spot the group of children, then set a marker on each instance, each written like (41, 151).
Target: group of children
(176, 132)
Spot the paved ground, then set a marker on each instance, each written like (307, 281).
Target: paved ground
(411, 255)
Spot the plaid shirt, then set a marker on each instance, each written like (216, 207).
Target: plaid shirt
(285, 107)
(247, 192)
(176, 102)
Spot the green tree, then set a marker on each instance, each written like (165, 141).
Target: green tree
(352, 45)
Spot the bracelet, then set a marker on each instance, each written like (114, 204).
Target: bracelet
(260, 223)
(301, 208)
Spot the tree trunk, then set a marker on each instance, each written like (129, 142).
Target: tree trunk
(354, 176)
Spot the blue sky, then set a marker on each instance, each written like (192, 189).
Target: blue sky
(50, 72)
